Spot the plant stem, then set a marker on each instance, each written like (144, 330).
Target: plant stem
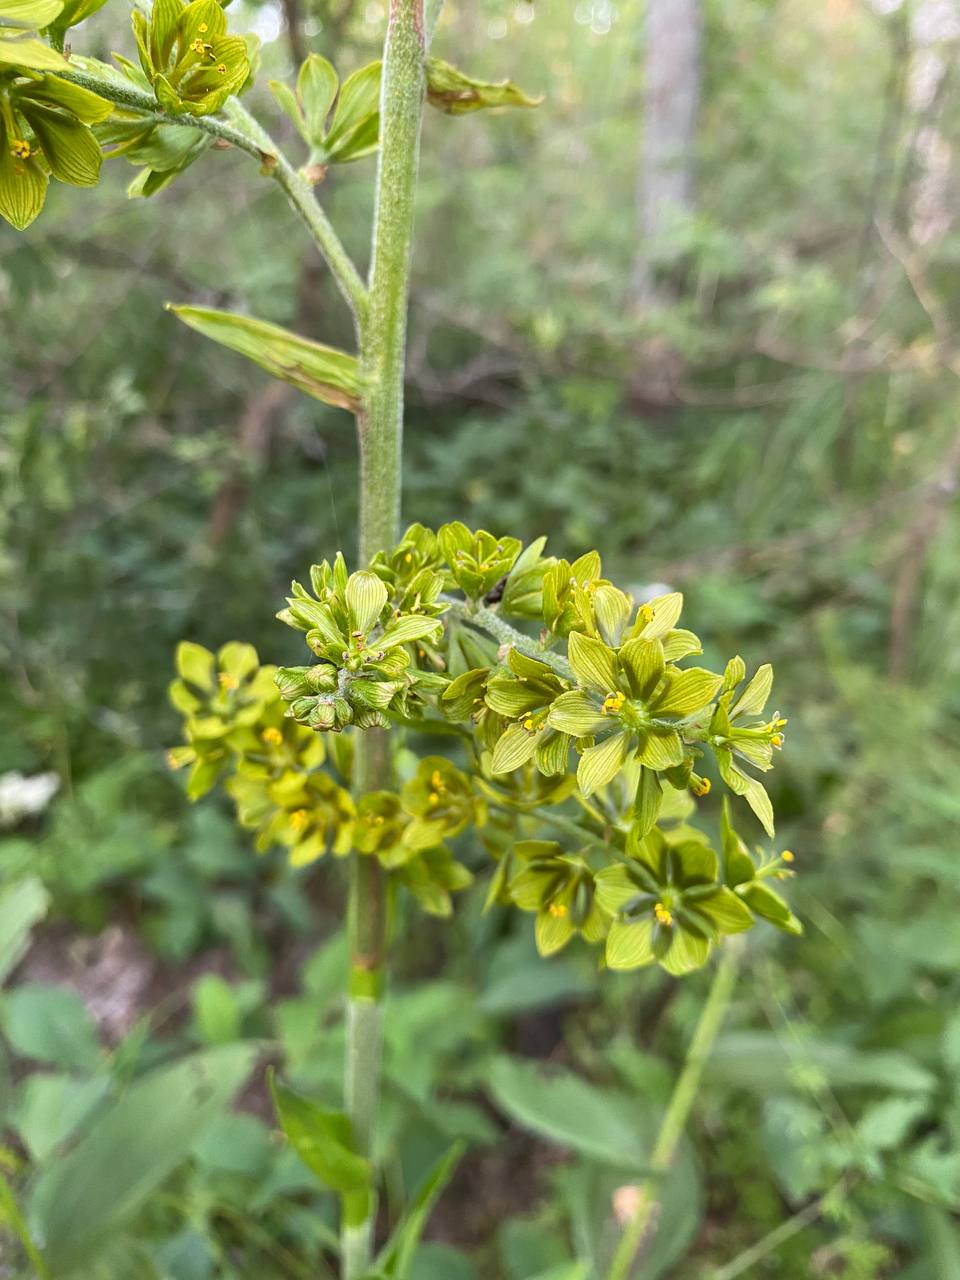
(780, 1234)
(487, 620)
(678, 1111)
(382, 327)
(252, 138)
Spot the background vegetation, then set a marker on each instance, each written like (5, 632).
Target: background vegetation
(773, 431)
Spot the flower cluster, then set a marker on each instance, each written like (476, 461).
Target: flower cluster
(44, 120)
(586, 732)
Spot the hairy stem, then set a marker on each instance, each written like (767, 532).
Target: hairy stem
(678, 1112)
(246, 134)
(380, 427)
(488, 620)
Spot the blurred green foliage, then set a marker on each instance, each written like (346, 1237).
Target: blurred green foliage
(777, 438)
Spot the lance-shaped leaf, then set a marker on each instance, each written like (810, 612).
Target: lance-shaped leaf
(22, 50)
(322, 372)
(30, 13)
(321, 1139)
(455, 93)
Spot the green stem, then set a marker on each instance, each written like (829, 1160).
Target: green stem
(255, 141)
(678, 1111)
(488, 620)
(382, 327)
(780, 1234)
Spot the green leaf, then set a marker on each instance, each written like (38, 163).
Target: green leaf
(30, 13)
(51, 1024)
(216, 1010)
(358, 108)
(885, 1125)
(23, 185)
(22, 905)
(762, 1061)
(322, 372)
(75, 12)
(289, 104)
(50, 1107)
(12, 1216)
(88, 107)
(599, 1123)
(397, 1256)
(317, 86)
(455, 93)
(600, 764)
(321, 1139)
(23, 51)
(136, 1144)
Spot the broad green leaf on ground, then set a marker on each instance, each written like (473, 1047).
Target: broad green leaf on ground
(135, 1145)
(765, 1062)
(603, 1124)
(50, 1024)
(22, 905)
(322, 372)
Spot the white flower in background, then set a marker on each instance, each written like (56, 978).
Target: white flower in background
(22, 797)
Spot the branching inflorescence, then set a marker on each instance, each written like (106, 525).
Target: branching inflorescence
(582, 727)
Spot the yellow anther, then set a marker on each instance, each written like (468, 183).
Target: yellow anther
(777, 740)
(528, 725)
(222, 68)
(408, 557)
(701, 787)
(433, 798)
(198, 46)
(484, 567)
(375, 819)
(557, 910)
(272, 737)
(646, 613)
(227, 681)
(299, 819)
(436, 780)
(202, 27)
(173, 762)
(787, 856)
(20, 149)
(662, 914)
(613, 702)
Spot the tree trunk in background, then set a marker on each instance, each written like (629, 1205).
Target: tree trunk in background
(674, 33)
